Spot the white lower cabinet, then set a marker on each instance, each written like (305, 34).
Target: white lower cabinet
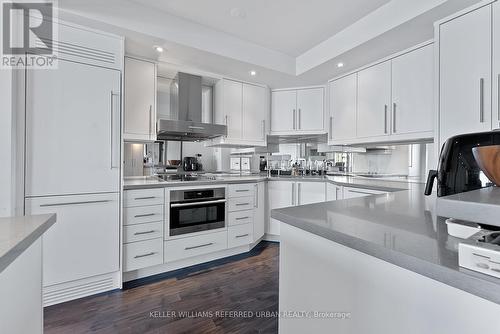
(85, 240)
(240, 217)
(239, 235)
(241, 204)
(310, 192)
(333, 192)
(260, 211)
(137, 255)
(179, 249)
(142, 232)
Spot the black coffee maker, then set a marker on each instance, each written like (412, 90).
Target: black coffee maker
(458, 171)
(190, 164)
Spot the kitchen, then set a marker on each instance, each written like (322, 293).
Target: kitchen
(182, 170)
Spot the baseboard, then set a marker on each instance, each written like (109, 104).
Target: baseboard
(271, 237)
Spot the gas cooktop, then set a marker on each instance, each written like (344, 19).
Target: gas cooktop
(186, 177)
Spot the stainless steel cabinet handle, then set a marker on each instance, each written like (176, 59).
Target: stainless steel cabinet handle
(140, 198)
(150, 118)
(146, 232)
(144, 255)
(294, 119)
(179, 205)
(331, 127)
(481, 100)
(385, 118)
(256, 204)
(144, 215)
(242, 190)
(199, 246)
(241, 204)
(75, 203)
(241, 218)
(394, 117)
(242, 235)
(300, 119)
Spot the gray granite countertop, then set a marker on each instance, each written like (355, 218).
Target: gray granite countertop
(18, 233)
(141, 182)
(400, 227)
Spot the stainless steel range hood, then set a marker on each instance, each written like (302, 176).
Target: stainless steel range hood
(189, 120)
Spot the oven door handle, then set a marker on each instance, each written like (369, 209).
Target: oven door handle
(180, 205)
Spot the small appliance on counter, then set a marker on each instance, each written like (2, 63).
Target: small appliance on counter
(481, 252)
(190, 164)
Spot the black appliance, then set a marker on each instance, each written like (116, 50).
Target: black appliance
(458, 171)
(190, 164)
(197, 210)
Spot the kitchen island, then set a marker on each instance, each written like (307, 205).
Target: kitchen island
(378, 264)
(21, 273)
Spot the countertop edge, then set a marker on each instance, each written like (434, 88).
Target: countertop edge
(12, 254)
(474, 285)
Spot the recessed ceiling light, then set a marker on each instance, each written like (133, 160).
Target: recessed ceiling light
(339, 65)
(253, 73)
(159, 49)
(238, 12)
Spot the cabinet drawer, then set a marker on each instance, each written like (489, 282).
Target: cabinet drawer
(141, 232)
(142, 254)
(142, 197)
(239, 235)
(240, 204)
(241, 190)
(193, 246)
(140, 215)
(240, 217)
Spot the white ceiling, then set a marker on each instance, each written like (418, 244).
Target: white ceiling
(397, 25)
(290, 27)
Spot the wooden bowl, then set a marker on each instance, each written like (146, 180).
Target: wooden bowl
(488, 159)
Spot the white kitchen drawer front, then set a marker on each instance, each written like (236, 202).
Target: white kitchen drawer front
(141, 232)
(142, 254)
(241, 190)
(194, 246)
(142, 197)
(241, 203)
(239, 235)
(240, 217)
(142, 214)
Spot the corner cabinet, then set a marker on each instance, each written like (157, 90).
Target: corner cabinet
(244, 108)
(298, 111)
(387, 102)
(466, 75)
(140, 100)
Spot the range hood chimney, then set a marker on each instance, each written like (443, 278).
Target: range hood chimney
(188, 121)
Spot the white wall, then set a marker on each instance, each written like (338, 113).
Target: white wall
(6, 143)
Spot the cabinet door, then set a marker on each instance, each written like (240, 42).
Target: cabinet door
(465, 74)
(310, 192)
(255, 109)
(333, 192)
(85, 240)
(310, 109)
(281, 195)
(140, 100)
(496, 66)
(343, 105)
(412, 91)
(233, 97)
(284, 111)
(259, 217)
(374, 99)
(72, 130)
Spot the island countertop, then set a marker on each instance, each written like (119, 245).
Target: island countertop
(401, 228)
(19, 233)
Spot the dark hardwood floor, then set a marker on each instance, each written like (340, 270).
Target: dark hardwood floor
(242, 283)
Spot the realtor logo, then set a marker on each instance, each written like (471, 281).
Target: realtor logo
(28, 34)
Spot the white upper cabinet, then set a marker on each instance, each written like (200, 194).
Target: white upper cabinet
(342, 110)
(244, 108)
(310, 109)
(374, 100)
(283, 111)
(140, 100)
(412, 92)
(255, 113)
(298, 111)
(496, 67)
(465, 73)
